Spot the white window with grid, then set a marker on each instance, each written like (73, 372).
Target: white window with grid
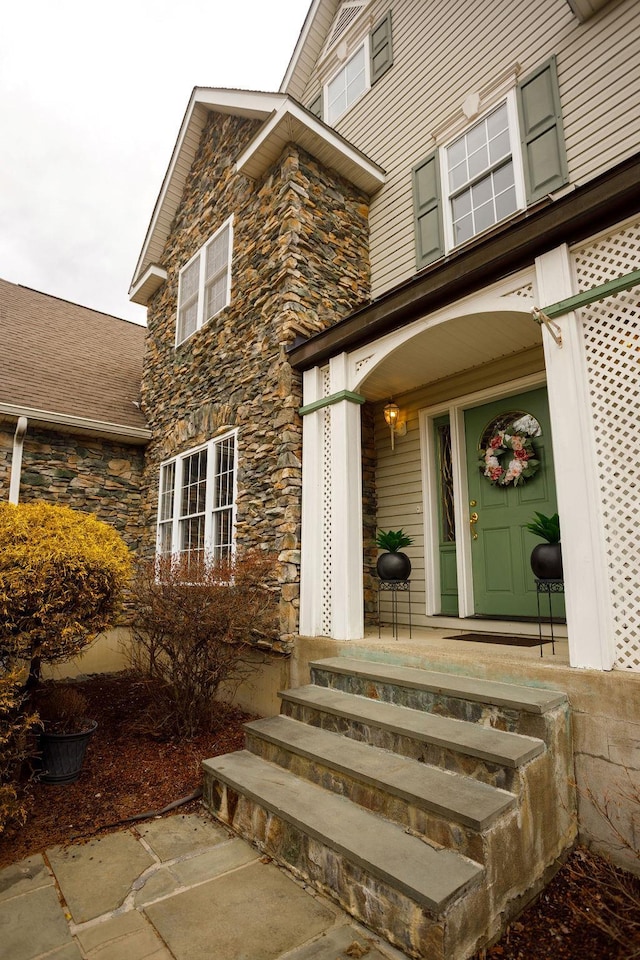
(205, 283)
(196, 508)
(482, 175)
(348, 84)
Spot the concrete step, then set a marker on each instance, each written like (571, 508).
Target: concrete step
(492, 756)
(348, 842)
(445, 807)
(512, 707)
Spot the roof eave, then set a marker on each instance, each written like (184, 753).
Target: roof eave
(292, 123)
(591, 207)
(308, 48)
(149, 282)
(112, 431)
(251, 104)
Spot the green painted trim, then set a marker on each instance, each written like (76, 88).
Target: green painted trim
(625, 282)
(328, 401)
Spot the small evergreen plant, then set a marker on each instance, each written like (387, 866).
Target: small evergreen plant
(547, 528)
(393, 540)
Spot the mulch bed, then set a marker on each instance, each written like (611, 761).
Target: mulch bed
(128, 772)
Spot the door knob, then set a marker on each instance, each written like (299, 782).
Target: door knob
(473, 519)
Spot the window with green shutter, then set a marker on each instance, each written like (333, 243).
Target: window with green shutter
(543, 153)
(368, 61)
(511, 156)
(316, 107)
(380, 48)
(427, 210)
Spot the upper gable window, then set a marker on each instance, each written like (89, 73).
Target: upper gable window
(365, 56)
(348, 84)
(205, 283)
(481, 177)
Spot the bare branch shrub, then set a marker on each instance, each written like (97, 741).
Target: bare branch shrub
(195, 627)
(617, 912)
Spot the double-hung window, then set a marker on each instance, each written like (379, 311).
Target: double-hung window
(511, 156)
(482, 176)
(196, 508)
(205, 283)
(348, 84)
(369, 55)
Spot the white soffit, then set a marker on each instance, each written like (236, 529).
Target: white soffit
(147, 285)
(446, 349)
(291, 123)
(242, 103)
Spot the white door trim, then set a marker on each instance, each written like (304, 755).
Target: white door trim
(456, 410)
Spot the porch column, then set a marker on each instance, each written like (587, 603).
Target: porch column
(589, 622)
(313, 518)
(347, 589)
(331, 577)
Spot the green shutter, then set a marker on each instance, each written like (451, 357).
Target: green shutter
(316, 107)
(541, 131)
(427, 210)
(380, 48)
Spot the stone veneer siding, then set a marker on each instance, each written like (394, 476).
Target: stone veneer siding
(89, 474)
(300, 263)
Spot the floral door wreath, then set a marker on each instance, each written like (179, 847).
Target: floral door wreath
(509, 458)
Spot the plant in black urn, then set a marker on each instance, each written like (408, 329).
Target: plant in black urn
(546, 558)
(393, 564)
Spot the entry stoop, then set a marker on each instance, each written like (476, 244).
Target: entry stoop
(431, 806)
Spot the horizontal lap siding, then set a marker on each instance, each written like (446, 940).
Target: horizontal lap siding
(599, 76)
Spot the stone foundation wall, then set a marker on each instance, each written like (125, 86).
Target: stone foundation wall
(86, 473)
(300, 263)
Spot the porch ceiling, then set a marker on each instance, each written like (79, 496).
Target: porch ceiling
(448, 348)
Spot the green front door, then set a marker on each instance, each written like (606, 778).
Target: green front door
(503, 584)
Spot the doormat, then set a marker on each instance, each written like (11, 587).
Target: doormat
(498, 638)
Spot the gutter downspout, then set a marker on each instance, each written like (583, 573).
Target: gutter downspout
(16, 460)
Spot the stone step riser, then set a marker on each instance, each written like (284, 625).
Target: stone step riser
(438, 829)
(388, 911)
(322, 808)
(486, 771)
(446, 705)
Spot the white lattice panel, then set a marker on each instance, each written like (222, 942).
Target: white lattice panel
(608, 258)
(326, 508)
(526, 292)
(612, 345)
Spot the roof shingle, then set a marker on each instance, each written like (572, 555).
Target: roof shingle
(62, 358)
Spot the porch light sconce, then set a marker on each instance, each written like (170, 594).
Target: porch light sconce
(397, 427)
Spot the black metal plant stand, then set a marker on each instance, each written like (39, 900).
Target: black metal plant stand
(396, 587)
(549, 587)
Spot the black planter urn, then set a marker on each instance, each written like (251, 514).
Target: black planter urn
(62, 755)
(393, 566)
(546, 561)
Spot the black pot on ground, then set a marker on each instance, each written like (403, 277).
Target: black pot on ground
(63, 755)
(546, 561)
(393, 566)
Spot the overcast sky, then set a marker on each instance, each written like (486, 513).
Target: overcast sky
(91, 100)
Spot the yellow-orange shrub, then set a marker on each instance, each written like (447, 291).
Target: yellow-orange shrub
(62, 573)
